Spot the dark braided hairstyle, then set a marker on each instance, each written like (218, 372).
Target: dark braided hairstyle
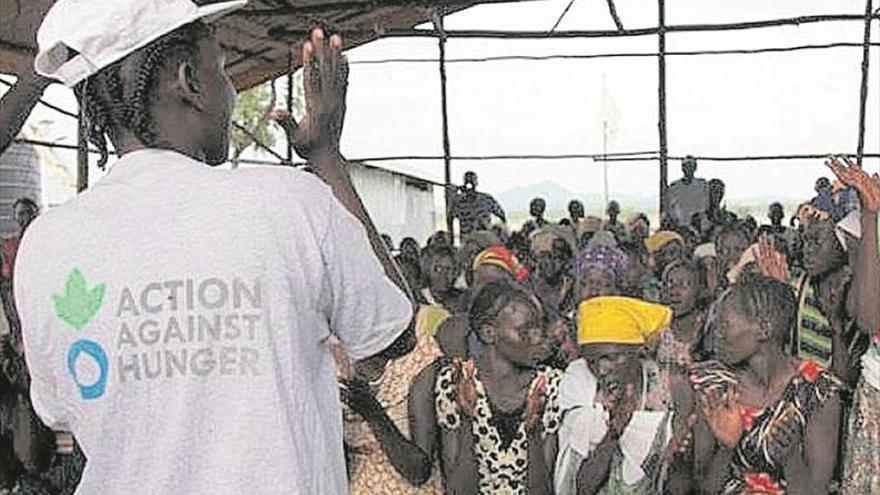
(737, 227)
(768, 302)
(28, 202)
(110, 105)
(433, 251)
(491, 299)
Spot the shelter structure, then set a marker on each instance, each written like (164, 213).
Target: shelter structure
(263, 37)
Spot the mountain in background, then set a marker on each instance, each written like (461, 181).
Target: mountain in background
(517, 200)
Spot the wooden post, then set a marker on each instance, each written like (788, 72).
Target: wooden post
(661, 111)
(863, 95)
(289, 105)
(447, 154)
(82, 153)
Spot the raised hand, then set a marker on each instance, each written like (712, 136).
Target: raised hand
(724, 416)
(854, 176)
(621, 401)
(466, 390)
(325, 78)
(771, 262)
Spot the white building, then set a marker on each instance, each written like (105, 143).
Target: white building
(401, 205)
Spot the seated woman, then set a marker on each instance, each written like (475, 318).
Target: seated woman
(375, 392)
(492, 419)
(598, 271)
(681, 291)
(616, 412)
(552, 250)
(769, 423)
(495, 263)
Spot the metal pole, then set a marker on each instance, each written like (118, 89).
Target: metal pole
(82, 154)
(863, 95)
(661, 111)
(447, 154)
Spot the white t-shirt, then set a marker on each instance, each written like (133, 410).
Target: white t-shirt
(175, 319)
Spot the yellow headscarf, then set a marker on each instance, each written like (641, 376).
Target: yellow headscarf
(656, 242)
(620, 320)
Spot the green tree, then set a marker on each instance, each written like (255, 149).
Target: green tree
(250, 112)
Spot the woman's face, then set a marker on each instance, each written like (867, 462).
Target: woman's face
(597, 282)
(441, 273)
(730, 248)
(738, 336)
(672, 251)
(520, 334)
(680, 289)
(822, 251)
(613, 365)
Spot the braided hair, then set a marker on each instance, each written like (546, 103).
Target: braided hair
(491, 299)
(109, 105)
(769, 302)
(26, 201)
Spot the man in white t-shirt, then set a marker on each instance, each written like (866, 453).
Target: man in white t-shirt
(688, 195)
(183, 362)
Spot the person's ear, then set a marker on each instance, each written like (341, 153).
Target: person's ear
(764, 331)
(188, 86)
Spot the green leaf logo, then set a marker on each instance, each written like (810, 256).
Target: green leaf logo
(78, 304)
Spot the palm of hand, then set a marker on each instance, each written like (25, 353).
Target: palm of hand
(325, 81)
(726, 425)
(854, 176)
(724, 416)
(772, 263)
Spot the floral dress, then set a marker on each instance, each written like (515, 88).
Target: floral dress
(372, 472)
(752, 469)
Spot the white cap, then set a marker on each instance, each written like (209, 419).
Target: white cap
(104, 31)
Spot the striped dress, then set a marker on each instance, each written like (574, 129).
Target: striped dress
(814, 329)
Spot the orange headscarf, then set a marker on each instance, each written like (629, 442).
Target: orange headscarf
(501, 257)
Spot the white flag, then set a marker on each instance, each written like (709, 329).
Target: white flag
(609, 115)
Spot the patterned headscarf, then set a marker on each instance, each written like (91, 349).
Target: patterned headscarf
(501, 257)
(606, 258)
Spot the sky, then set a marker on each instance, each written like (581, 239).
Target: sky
(790, 103)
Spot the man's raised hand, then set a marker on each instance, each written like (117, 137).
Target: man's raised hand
(325, 80)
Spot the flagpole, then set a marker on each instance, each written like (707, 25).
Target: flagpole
(605, 157)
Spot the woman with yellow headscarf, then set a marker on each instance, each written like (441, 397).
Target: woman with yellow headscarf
(614, 410)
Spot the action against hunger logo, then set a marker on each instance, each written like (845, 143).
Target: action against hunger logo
(76, 307)
(167, 329)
